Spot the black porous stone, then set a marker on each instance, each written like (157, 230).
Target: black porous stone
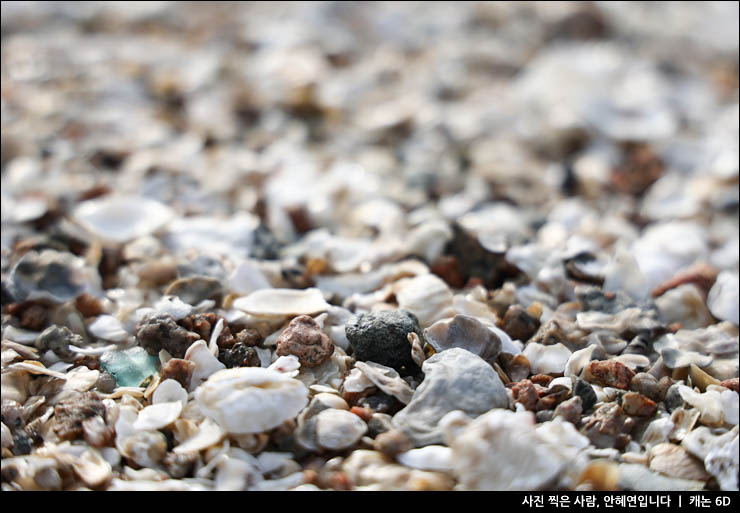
(382, 337)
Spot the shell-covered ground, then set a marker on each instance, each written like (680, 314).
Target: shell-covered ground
(370, 246)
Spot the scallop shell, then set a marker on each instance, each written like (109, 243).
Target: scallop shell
(250, 399)
(157, 416)
(282, 302)
(120, 219)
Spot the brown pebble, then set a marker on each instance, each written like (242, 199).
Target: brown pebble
(641, 167)
(364, 413)
(34, 318)
(69, 414)
(179, 370)
(526, 394)
(541, 379)
(393, 442)
(248, 337)
(157, 273)
(303, 338)
(647, 385)
(731, 383)
(608, 427)
(638, 405)
(516, 367)
(570, 410)
(519, 324)
(611, 373)
(203, 323)
(89, 306)
(446, 267)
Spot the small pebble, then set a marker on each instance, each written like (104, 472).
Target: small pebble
(303, 338)
(382, 337)
(610, 373)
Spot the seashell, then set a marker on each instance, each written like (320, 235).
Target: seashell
(119, 219)
(684, 304)
(709, 405)
(718, 452)
(386, 379)
(20, 336)
(426, 296)
(194, 289)
(305, 433)
(547, 359)
(417, 353)
(145, 448)
(205, 363)
(250, 399)
(601, 475)
(174, 306)
(657, 432)
(53, 276)
(207, 435)
(109, 328)
(701, 379)
(170, 390)
(683, 422)
(633, 361)
(247, 277)
(431, 457)
(464, 332)
(723, 297)
(222, 236)
(678, 359)
(282, 302)
(675, 461)
(578, 360)
(523, 459)
(356, 381)
(338, 429)
(92, 468)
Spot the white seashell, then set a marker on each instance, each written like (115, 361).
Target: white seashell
(431, 457)
(356, 381)
(92, 468)
(684, 304)
(146, 448)
(157, 416)
(428, 239)
(205, 363)
(386, 379)
(709, 405)
(108, 328)
(563, 437)
(657, 432)
(547, 359)
(170, 390)
(338, 429)
(723, 297)
(730, 406)
(719, 453)
(288, 365)
(426, 296)
(247, 278)
(173, 306)
(215, 333)
(208, 435)
(282, 302)
(20, 336)
(501, 450)
(250, 399)
(122, 218)
(578, 360)
(633, 361)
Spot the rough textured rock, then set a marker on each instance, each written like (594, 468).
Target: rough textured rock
(69, 415)
(570, 410)
(608, 427)
(303, 338)
(519, 324)
(178, 369)
(382, 337)
(239, 355)
(455, 379)
(57, 339)
(160, 331)
(638, 405)
(611, 374)
(586, 393)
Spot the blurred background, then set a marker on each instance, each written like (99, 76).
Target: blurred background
(352, 115)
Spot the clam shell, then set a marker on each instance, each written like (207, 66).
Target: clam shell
(250, 399)
(120, 219)
(282, 302)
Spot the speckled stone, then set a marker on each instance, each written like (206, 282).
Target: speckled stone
(382, 337)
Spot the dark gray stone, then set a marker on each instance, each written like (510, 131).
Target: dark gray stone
(382, 337)
(586, 393)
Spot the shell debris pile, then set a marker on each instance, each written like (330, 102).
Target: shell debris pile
(369, 246)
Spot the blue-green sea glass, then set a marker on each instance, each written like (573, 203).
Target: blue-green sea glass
(129, 367)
